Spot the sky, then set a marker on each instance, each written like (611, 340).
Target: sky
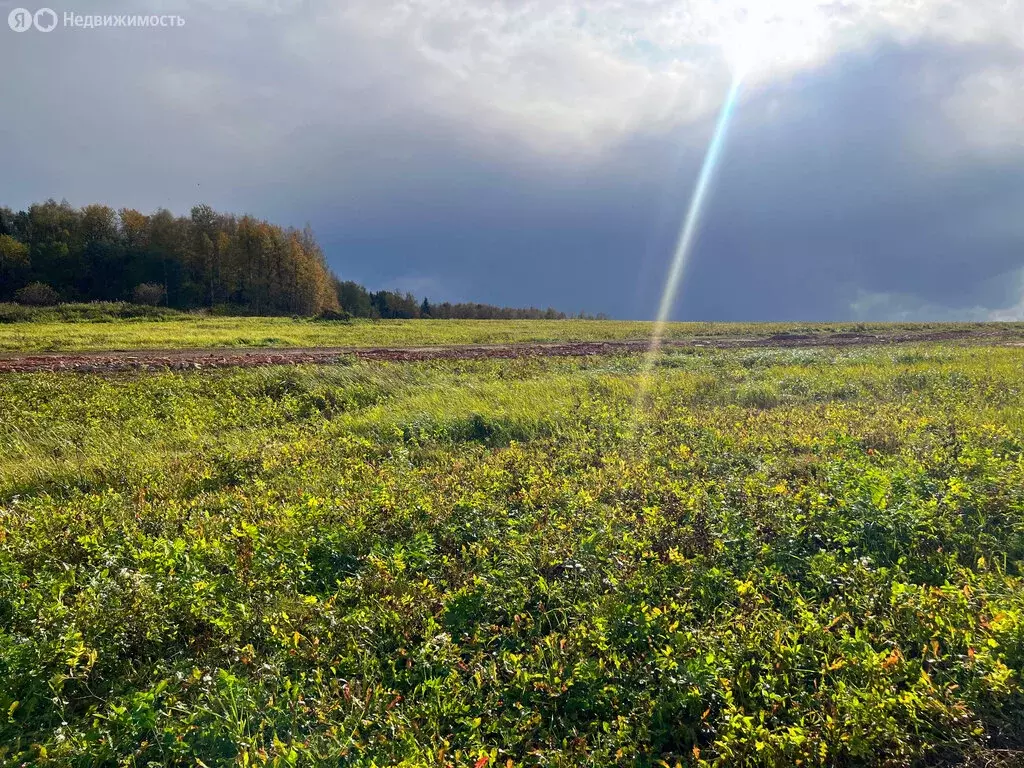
(543, 152)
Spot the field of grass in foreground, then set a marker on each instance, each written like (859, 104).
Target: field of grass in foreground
(795, 557)
(160, 330)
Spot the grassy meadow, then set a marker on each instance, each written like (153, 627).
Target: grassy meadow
(199, 332)
(100, 326)
(752, 558)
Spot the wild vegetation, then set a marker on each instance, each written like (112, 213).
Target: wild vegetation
(102, 325)
(753, 557)
(63, 329)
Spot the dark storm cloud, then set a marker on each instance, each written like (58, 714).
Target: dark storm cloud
(833, 196)
(846, 190)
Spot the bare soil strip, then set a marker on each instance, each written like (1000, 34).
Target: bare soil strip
(191, 359)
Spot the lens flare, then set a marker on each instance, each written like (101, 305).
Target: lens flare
(687, 234)
(765, 38)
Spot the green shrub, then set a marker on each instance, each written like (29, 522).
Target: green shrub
(334, 315)
(93, 312)
(149, 294)
(14, 313)
(36, 295)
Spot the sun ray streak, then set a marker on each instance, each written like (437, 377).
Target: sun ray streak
(688, 232)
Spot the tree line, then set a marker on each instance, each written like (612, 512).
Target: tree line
(357, 301)
(202, 260)
(54, 252)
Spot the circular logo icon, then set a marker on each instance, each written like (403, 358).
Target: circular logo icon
(20, 20)
(45, 20)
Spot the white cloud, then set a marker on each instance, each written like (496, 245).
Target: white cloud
(569, 72)
(903, 307)
(906, 307)
(987, 109)
(1013, 313)
(566, 78)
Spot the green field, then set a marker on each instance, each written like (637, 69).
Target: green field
(73, 328)
(205, 332)
(754, 557)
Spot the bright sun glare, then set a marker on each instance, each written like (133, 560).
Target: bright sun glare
(775, 35)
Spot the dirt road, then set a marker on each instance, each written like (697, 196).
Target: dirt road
(186, 359)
